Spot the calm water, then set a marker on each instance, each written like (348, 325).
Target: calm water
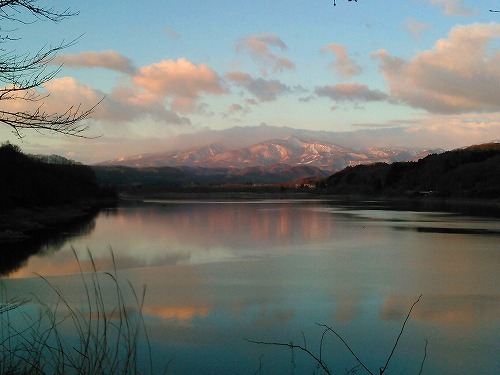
(219, 272)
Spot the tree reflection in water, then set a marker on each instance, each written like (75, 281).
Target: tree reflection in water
(14, 255)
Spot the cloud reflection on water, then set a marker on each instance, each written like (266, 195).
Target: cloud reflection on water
(218, 272)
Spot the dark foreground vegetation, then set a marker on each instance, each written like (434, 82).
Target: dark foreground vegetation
(473, 172)
(29, 181)
(39, 192)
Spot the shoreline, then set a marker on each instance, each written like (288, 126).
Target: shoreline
(24, 223)
(21, 224)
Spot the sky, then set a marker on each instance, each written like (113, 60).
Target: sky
(427, 69)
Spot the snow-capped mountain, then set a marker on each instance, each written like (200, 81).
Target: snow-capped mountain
(291, 151)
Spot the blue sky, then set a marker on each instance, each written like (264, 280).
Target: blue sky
(431, 67)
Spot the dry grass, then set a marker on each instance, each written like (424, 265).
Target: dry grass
(107, 335)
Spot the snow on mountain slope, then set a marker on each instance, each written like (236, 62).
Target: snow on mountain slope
(291, 151)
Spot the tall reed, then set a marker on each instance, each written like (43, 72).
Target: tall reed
(105, 336)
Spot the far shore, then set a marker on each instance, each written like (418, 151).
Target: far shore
(482, 206)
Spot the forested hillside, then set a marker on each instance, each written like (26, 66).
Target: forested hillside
(28, 181)
(473, 172)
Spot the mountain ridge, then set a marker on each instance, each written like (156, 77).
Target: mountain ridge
(292, 150)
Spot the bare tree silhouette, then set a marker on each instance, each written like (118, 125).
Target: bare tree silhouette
(22, 74)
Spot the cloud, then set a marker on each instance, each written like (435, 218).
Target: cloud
(355, 92)
(127, 104)
(106, 59)
(171, 33)
(459, 75)
(239, 77)
(344, 65)
(163, 91)
(262, 89)
(454, 8)
(181, 80)
(121, 105)
(432, 130)
(233, 108)
(416, 28)
(259, 47)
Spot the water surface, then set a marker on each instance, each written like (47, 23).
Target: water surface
(219, 272)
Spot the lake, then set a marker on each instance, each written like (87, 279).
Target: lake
(218, 273)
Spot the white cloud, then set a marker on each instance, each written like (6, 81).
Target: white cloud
(461, 74)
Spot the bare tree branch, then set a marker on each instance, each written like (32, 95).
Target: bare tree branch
(24, 74)
(291, 345)
(319, 358)
(382, 369)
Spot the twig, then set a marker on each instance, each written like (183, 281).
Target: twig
(293, 346)
(423, 359)
(382, 369)
(346, 345)
(322, 364)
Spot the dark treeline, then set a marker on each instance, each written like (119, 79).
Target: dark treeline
(177, 177)
(27, 181)
(473, 172)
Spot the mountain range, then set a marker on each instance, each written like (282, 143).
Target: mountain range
(292, 150)
(259, 155)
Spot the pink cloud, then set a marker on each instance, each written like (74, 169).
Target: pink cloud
(344, 65)
(182, 80)
(461, 74)
(259, 47)
(121, 105)
(238, 77)
(106, 59)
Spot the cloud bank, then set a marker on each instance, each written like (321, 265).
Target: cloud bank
(461, 74)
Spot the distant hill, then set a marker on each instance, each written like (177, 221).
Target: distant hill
(28, 181)
(471, 172)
